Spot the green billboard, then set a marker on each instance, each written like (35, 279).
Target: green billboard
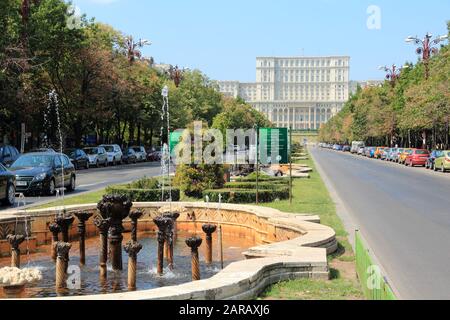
(274, 145)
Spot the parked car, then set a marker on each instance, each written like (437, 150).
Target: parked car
(8, 154)
(42, 173)
(417, 157)
(378, 152)
(433, 156)
(346, 148)
(7, 186)
(141, 154)
(369, 152)
(97, 156)
(130, 156)
(361, 151)
(385, 153)
(114, 153)
(154, 156)
(443, 162)
(395, 154)
(356, 145)
(403, 155)
(78, 157)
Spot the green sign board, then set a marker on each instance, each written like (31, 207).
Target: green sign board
(274, 145)
(175, 139)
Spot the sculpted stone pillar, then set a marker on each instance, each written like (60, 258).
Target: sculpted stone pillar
(164, 225)
(132, 248)
(209, 229)
(194, 243)
(83, 217)
(15, 241)
(62, 250)
(55, 230)
(103, 227)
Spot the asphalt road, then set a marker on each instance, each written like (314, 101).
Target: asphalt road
(404, 214)
(95, 179)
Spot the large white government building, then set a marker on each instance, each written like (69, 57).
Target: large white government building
(297, 92)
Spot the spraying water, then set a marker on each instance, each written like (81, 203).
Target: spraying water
(165, 147)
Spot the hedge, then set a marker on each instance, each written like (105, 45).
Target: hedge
(144, 195)
(263, 185)
(247, 196)
(273, 180)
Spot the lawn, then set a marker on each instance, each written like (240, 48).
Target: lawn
(312, 197)
(85, 198)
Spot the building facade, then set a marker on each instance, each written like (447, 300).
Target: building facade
(298, 92)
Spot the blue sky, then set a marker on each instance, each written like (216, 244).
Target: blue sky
(223, 38)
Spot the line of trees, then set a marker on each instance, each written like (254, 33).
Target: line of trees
(101, 92)
(412, 112)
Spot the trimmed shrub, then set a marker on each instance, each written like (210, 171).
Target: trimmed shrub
(247, 196)
(252, 178)
(250, 185)
(194, 179)
(144, 195)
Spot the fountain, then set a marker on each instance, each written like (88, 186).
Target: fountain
(15, 241)
(14, 280)
(83, 217)
(116, 208)
(65, 221)
(171, 237)
(132, 248)
(194, 243)
(165, 226)
(55, 229)
(62, 264)
(209, 229)
(103, 227)
(135, 216)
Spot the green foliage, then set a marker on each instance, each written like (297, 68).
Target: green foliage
(247, 196)
(144, 195)
(144, 183)
(194, 179)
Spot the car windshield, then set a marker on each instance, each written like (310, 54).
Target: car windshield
(137, 149)
(421, 152)
(92, 151)
(36, 160)
(70, 152)
(109, 148)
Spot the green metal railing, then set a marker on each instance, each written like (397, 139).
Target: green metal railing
(373, 283)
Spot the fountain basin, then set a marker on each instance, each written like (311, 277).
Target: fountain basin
(284, 246)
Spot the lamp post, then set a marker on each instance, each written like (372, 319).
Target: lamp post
(133, 48)
(427, 47)
(392, 73)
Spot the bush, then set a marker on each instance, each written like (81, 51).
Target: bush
(252, 185)
(193, 180)
(144, 183)
(263, 178)
(247, 196)
(144, 195)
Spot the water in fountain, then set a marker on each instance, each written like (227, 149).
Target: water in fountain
(165, 147)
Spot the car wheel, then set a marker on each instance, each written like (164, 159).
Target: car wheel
(114, 162)
(442, 168)
(411, 164)
(72, 184)
(434, 167)
(10, 195)
(51, 188)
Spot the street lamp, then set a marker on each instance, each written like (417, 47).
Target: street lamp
(427, 47)
(393, 73)
(133, 47)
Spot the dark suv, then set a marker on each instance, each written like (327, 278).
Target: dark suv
(42, 173)
(8, 154)
(7, 186)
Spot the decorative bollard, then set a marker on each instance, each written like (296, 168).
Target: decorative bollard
(15, 241)
(103, 227)
(55, 230)
(83, 217)
(135, 216)
(132, 248)
(62, 263)
(171, 237)
(194, 243)
(164, 225)
(116, 208)
(209, 229)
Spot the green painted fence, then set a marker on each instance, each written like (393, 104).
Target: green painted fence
(373, 283)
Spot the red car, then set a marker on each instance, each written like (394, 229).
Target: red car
(417, 157)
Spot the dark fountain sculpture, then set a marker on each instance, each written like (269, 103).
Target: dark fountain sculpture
(82, 217)
(64, 222)
(15, 241)
(170, 238)
(165, 225)
(209, 229)
(62, 263)
(55, 230)
(103, 227)
(116, 208)
(194, 243)
(133, 248)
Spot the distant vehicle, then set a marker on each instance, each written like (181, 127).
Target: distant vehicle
(42, 173)
(395, 154)
(78, 157)
(141, 154)
(7, 186)
(443, 162)
(385, 153)
(361, 151)
(403, 155)
(8, 154)
(339, 147)
(97, 156)
(433, 156)
(43, 150)
(114, 153)
(356, 145)
(130, 156)
(378, 152)
(154, 156)
(370, 152)
(346, 148)
(417, 157)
